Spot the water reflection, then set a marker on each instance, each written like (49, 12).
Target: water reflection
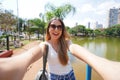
(104, 47)
(98, 49)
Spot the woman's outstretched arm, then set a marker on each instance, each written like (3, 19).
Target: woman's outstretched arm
(14, 68)
(109, 70)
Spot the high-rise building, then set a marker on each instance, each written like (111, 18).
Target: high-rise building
(119, 16)
(114, 15)
(88, 25)
(98, 26)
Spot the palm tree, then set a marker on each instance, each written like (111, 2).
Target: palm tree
(60, 12)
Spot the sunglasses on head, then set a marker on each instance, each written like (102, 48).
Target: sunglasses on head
(59, 27)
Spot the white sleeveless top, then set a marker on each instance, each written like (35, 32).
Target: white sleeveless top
(54, 64)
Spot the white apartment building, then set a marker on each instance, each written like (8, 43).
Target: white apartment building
(119, 16)
(114, 17)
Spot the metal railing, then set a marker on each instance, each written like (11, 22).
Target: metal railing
(88, 72)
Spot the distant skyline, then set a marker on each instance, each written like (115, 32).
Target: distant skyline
(86, 10)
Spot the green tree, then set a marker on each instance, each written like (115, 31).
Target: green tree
(7, 19)
(60, 11)
(72, 31)
(7, 22)
(89, 32)
(113, 31)
(79, 29)
(117, 29)
(97, 32)
(37, 25)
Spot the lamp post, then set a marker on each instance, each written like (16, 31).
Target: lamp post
(7, 40)
(18, 18)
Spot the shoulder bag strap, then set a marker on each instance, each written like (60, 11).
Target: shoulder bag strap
(45, 54)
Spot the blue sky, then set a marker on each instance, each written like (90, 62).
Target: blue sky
(86, 10)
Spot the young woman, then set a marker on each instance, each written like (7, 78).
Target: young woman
(58, 42)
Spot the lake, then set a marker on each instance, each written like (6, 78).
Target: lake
(106, 47)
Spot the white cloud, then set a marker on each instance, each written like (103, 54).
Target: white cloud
(86, 8)
(31, 9)
(109, 4)
(104, 7)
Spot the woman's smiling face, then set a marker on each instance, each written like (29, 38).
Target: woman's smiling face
(55, 29)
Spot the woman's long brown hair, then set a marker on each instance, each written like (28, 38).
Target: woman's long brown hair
(62, 43)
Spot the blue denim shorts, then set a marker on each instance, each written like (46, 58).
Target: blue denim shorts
(69, 76)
